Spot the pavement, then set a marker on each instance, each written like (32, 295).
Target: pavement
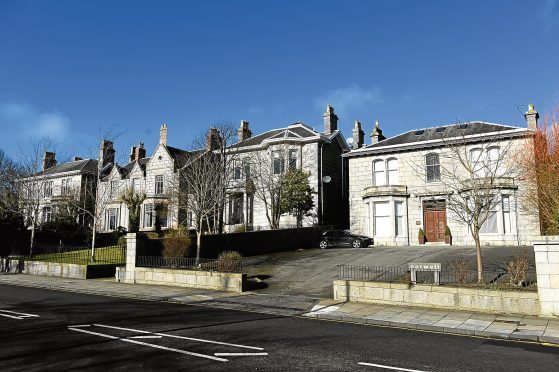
(509, 327)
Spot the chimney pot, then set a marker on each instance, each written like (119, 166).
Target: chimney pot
(244, 132)
(163, 134)
(49, 160)
(532, 117)
(358, 136)
(330, 120)
(376, 134)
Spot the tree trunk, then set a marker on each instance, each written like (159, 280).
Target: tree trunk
(93, 238)
(32, 243)
(198, 245)
(478, 258)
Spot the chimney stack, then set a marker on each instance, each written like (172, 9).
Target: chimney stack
(163, 134)
(358, 136)
(106, 153)
(243, 132)
(137, 153)
(532, 117)
(330, 120)
(213, 141)
(49, 160)
(376, 134)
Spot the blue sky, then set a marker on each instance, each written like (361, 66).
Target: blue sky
(74, 69)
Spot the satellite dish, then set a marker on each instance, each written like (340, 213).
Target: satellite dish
(326, 179)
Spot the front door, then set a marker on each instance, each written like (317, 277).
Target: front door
(434, 217)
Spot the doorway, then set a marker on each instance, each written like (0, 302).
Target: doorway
(434, 218)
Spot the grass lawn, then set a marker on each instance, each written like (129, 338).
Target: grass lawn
(103, 255)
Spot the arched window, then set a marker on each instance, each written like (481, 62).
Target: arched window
(432, 167)
(378, 173)
(392, 171)
(476, 160)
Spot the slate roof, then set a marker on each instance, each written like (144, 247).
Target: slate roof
(421, 137)
(181, 157)
(293, 131)
(84, 166)
(126, 169)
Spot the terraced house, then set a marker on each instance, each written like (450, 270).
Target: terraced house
(405, 183)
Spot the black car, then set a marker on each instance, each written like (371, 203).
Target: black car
(341, 238)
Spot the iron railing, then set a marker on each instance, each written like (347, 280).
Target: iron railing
(447, 276)
(77, 254)
(221, 265)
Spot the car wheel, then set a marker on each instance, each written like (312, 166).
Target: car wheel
(323, 244)
(356, 244)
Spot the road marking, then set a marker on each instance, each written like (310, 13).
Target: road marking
(17, 315)
(146, 336)
(148, 345)
(389, 367)
(240, 354)
(179, 337)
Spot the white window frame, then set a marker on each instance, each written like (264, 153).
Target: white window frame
(159, 180)
(436, 167)
(148, 215)
(378, 173)
(392, 174)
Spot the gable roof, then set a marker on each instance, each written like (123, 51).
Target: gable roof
(181, 157)
(296, 130)
(433, 136)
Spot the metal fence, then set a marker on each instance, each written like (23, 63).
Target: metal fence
(447, 276)
(221, 265)
(77, 254)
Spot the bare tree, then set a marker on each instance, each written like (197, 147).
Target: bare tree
(133, 200)
(273, 188)
(471, 174)
(32, 183)
(200, 187)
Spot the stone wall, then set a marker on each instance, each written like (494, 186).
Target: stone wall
(63, 270)
(186, 278)
(454, 298)
(547, 271)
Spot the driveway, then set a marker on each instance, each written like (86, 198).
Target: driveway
(310, 272)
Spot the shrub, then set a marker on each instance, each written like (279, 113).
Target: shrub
(229, 261)
(239, 229)
(460, 268)
(447, 231)
(421, 232)
(178, 246)
(517, 269)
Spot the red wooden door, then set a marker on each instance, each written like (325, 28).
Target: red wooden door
(435, 224)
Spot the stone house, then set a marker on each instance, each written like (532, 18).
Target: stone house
(156, 176)
(57, 186)
(397, 185)
(270, 154)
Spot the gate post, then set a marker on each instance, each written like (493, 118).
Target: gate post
(547, 271)
(131, 248)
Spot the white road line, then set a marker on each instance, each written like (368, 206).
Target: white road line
(149, 345)
(180, 337)
(389, 367)
(80, 326)
(22, 314)
(11, 316)
(240, 354)
(146, 336)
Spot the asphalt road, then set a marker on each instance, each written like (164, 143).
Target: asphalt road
(49, 330)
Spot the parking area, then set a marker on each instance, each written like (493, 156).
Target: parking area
(311, 271)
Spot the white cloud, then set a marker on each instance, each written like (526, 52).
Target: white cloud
(349, 98)
(25, 121)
